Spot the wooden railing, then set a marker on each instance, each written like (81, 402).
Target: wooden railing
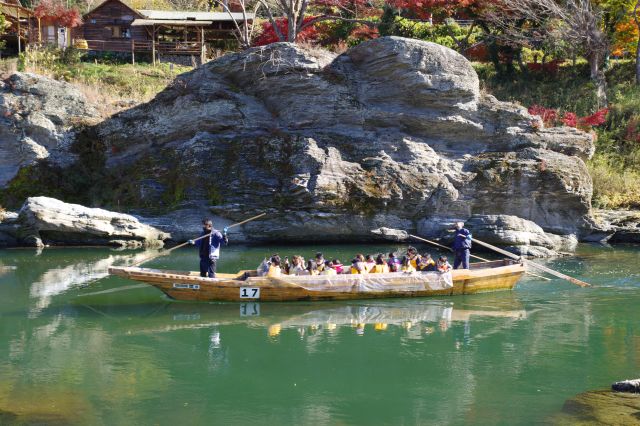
(127, 45)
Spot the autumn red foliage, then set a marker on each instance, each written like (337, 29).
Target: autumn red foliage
(59, 13)
(268, 34)
(551, 118)
(425, 9)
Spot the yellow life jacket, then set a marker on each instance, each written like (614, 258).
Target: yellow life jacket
(414, 262)
(408, 268)
(274, 271)
(355, 270)
(380, 269)
(329, 271)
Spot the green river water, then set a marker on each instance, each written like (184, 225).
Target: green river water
(78, 347)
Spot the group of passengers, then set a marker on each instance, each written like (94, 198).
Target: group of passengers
(361, 264)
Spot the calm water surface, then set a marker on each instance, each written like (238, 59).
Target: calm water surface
(78, 347)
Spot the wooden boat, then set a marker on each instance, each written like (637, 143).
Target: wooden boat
(247, 286)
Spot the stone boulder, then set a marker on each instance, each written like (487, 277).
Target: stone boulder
(394, 132)
(46, 220)
(520, 236)
(37, 119)
(615, 226)
(8, 228)
(632, 386)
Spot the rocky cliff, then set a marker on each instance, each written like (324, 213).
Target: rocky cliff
(38, 117)
(394, 132)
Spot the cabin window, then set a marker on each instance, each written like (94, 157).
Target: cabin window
(126, 18)
(119, 32)
(93, 21)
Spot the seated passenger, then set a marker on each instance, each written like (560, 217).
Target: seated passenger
(406, 265)
(320, 262)
(274, 267)
(394, 263)
(328, 269)
(381, 266)
(297, 266)
(358, 266)
(426, 263)
(286, 266)
(263, 268)
(369, 263)
(414, 257)
(312, 269)
(442, 265)
(338, 266)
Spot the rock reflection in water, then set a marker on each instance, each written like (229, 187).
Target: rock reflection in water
(58, 280)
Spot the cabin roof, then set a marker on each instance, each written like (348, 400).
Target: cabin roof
(180, 15)
(9, 8)
(179, 22)
(104, 3)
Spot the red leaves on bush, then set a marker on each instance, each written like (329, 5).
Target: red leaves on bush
(551, 118)
(596, 119)
(269, 35)
(570, 119)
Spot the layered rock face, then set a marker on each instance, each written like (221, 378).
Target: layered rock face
(394, 132)
(47, 220)
(37, 117)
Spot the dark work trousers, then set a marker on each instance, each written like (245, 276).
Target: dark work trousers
(462, 258)
(208, 267)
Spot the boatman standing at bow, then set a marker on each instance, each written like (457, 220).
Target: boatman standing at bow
(209, 248)
(461, 246)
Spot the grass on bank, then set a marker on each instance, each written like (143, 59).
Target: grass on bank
(108, 81)
(615, 168)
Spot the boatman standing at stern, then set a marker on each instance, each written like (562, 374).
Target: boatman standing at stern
(209, 248)
(461, 246)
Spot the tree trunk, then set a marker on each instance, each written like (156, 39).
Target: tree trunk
(638, 61)
(598, 78)
(594, 67)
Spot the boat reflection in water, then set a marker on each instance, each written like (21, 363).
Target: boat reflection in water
(417, 318)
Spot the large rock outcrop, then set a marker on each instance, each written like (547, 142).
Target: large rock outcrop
(37, 120)
(394, 132)
(44, 220)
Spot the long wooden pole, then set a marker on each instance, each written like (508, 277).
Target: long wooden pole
(472, 255)
(533, 264)
(165, 252)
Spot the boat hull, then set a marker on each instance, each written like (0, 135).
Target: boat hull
(482, 278)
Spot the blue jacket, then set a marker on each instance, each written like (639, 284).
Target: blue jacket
(462, 239)
(210, 246)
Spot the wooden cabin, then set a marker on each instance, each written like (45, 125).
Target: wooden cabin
(18, 30)
(115, 27)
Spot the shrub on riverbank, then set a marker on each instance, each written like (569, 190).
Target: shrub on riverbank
(615, 168)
